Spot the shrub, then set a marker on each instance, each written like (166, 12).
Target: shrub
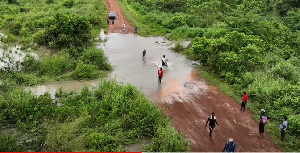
(65, 31)
(25, 79)
(15, 27)
(69, 3)
(49, 1)
(294, 124)
(95, 57)
(84, 71)
(178, 47)
(285, 70)
(101, 142)
(55, 65)
(10, 144)
(30, 64)
(9, 38)
(166, 139)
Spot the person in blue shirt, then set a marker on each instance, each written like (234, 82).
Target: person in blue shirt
(283, 127)
(229, 146)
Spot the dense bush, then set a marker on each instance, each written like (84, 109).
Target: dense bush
(167, 140)
(84, 71)
(55, 65)
(64, 31)
(95, 57)
(31, 19)
(10, 144)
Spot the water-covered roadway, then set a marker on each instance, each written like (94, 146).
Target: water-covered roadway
(124, 52)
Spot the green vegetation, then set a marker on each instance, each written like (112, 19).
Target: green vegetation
(104, 119)
(252, 45)
(68, 27)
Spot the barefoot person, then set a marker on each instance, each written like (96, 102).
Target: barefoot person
(212, 120)
(160, 75)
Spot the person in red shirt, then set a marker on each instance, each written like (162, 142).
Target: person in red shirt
(160, 75)
(244, 101)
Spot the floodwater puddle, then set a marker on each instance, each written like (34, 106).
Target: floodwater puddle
(124, 52)
(11, 57)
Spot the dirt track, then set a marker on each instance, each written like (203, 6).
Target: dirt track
(189, 117)
(112, 5)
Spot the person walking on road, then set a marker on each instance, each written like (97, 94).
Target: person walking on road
(244, 101)
(160, 75)
(212, 120)
(135, 29)
(229, 146)
(283, 127)
(144, 53)
(262, 121)
(123, 26)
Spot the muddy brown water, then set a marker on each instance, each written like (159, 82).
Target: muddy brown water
(124, 52)
(183, 95)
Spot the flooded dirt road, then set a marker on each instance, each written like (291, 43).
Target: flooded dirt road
(124, 52)
(183, 95)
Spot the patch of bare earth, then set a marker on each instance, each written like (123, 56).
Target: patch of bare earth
(112, 5)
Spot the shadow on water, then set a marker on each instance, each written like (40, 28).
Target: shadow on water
(124, 52)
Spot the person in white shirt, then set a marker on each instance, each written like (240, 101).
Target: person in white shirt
(283, 127)
(164, 61)
(123, 26)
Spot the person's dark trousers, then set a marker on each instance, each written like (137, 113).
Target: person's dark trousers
(282, 134)
(159, 80)
(243, 106)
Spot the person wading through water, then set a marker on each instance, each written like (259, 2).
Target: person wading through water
(212, 120)
(160, 75)
(144, 53)
(164, 61)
